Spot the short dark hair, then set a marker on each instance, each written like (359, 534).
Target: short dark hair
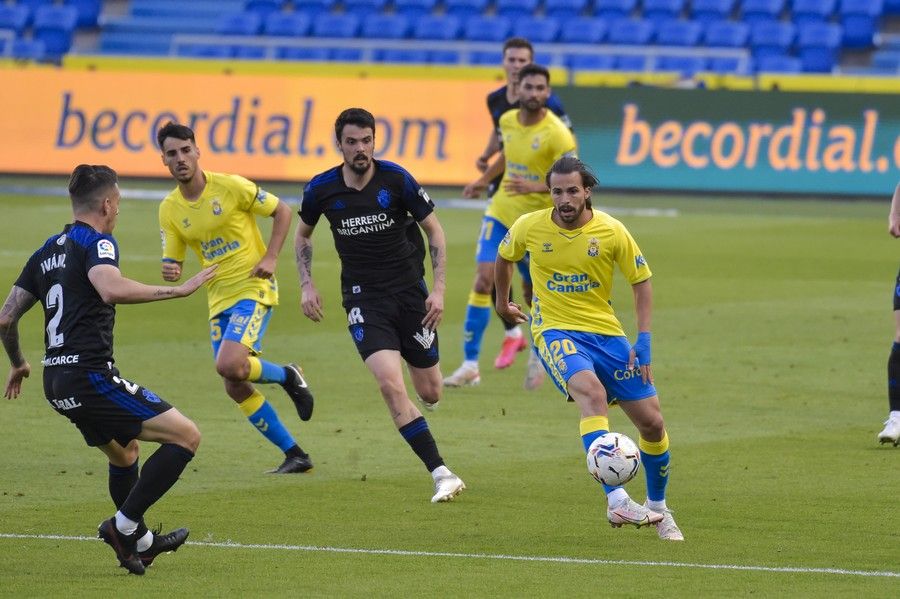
(570, 164)
(534, 69)
(89, 184)
(173, 129)
(518, 42)
(360, 117)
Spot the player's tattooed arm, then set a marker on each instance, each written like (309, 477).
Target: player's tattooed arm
(437, 249)
(17, 303)
(304, 254)
(310, 300)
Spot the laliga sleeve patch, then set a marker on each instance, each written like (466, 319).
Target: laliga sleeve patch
(106, 249)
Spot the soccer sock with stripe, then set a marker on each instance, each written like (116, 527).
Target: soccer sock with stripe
(894, 378)
(592, 427)
(478, 314)
(262, 415)
(158, 475)
(262, 371)
(422, 443)
(655, 456)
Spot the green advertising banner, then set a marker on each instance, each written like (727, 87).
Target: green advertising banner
(737, 141)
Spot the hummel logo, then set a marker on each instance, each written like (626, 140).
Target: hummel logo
(261, 424)
(425, 338)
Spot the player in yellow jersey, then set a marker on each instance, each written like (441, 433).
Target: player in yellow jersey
(533, 139)
(574, 250)
(214, 215)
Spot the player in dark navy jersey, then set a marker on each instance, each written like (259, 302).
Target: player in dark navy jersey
(517, 52)
(375, 209)
(75, 276)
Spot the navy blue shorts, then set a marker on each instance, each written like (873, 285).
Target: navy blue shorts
(393, 322)
(104, 406)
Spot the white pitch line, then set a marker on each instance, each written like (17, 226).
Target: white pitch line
(489, 556)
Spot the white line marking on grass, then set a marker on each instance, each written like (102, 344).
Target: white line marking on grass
(489, 556)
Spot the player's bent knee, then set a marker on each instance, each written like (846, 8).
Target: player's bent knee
(233, 371)
(189, 436)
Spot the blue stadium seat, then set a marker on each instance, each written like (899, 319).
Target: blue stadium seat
(414, 9)
(891, 7)
(310, 54)
(205, 51)
(726, 65)
(314, 8)
(345, 54)
(539, 30)
(249, 52)
(614, 9)
(590, 62)
(408, 56)
(33, 5)
(565, 9)
(88, 11)
(14, 18)
(55, 26)
(818, 46)
(812, 11)
(379, 26)
(584, 30)
(487, 29)
(287, 24)
(860, 19)
(678, 33)
(22, 49)
(335, 25)
(437, 27)
(771, 38)
(706, 11)
(489, 57)
(443, 57)
(662, 10)
(465, 8)
(779, 63)
(364, 8)
(755, 11)
(516, 8)
(264, 7)
(886, 61)
(630, 32)
(687, 66)
(240, 23)
(631, 62)
(726, 34)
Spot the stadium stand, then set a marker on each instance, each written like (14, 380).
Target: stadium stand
(716, 35)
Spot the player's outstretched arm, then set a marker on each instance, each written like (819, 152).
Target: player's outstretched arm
(509, 311)
(437, 249)
(310, 302)
(17, 303)
(643, 307)
(474, 189)
(117, 289)
(894, 216)
(280, 227)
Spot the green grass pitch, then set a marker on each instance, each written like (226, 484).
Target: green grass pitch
(772, 326)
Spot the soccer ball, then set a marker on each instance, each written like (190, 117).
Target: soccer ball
(613, 459)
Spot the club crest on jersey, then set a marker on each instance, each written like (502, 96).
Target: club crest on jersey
(339, 205)
(106, 249)
(536, 143)
(593, 247)
(151, 396)
(357, 332)
(548, 247)
(384, 198)
(216, 207)
(261, 195)
(185, 223)
(562, 366)
(424, 195)
(505, 240)
(639, 261)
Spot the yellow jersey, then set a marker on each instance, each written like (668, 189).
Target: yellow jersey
(529, 152)
(572, 271)
(220, 226)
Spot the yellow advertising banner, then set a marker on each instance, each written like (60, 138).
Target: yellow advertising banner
(260, 126)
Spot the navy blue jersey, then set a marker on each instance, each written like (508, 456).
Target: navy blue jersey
(375, 229)
(498, 104)
(78, 324)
